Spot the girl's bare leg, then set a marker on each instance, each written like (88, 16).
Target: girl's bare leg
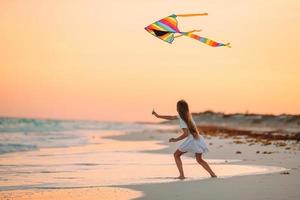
(204, 164)
(178, 161)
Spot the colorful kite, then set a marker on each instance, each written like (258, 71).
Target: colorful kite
(166, 28)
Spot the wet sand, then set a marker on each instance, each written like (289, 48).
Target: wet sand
(72, 194)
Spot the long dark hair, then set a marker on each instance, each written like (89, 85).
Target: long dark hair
(185, 115)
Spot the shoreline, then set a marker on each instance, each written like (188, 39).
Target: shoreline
(220, 148)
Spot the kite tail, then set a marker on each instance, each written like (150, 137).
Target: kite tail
(205, 40)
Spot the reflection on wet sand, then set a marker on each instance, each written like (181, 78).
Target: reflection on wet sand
(108, 193)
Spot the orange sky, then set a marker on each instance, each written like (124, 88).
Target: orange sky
(92, 59)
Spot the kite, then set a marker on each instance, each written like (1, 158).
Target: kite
(166, 28)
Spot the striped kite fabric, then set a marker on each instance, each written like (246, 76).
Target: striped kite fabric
(166, 28)
(205, 40)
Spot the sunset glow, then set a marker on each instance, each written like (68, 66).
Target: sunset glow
(89, 59)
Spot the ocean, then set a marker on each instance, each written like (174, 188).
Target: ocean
(24, 134)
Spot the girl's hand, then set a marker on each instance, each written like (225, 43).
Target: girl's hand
(154, 113)
(172, 140)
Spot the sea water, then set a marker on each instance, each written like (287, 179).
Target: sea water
(23, 134)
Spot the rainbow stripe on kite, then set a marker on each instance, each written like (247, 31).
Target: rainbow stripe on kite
(166, 28)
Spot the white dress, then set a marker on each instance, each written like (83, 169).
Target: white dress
(190, 144)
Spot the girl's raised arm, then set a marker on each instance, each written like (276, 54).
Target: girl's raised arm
(167, 117)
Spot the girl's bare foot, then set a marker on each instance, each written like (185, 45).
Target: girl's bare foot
(181, 177)
(213, 176)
